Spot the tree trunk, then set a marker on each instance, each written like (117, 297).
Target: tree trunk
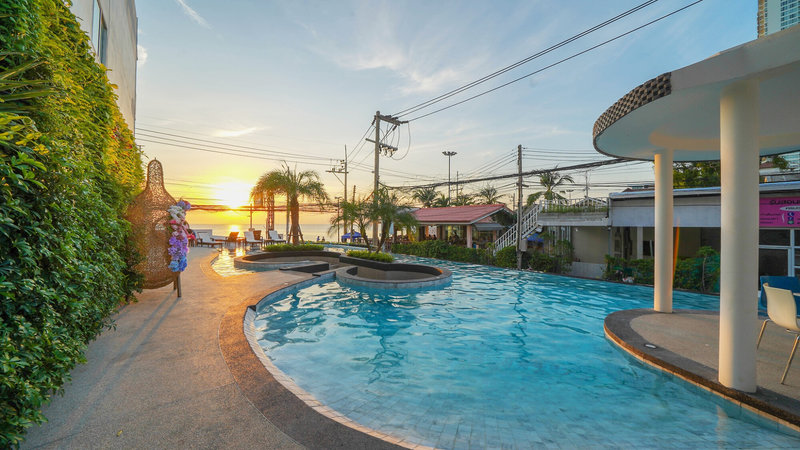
(294, 231)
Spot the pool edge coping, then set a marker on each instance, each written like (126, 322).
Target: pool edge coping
(779, 416)
(275, 394)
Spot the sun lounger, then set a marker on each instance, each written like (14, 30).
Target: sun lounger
(250, 239)
(204, 238)
(275, 237)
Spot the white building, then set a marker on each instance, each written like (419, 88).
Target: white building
(112, 27)
(777, 15)
(626, 228)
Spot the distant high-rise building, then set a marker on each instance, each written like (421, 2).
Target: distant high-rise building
(777, 15)
(112, 29)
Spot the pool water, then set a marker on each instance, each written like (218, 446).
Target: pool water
(498, 358)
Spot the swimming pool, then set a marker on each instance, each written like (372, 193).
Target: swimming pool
(498, 358)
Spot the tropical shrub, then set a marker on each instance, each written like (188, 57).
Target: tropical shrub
(294, 248)
(69, 168)
(507, 257)
(542, 262)
(698, 273)
(442, 250)
(372, 256)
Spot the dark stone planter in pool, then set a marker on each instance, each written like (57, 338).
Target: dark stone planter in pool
(287, 260)
(368, 273)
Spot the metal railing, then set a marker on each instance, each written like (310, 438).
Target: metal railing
(529, 224)
(576, 205)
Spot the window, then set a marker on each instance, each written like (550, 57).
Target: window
(99, 33)
(97, 15)
(102, 52)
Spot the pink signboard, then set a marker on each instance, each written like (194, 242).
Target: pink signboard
(779, 212)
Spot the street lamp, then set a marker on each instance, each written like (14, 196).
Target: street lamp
(449, 156)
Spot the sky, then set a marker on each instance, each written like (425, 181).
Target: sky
(227, 91)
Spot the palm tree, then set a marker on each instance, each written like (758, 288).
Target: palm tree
(425, 195)
(440, 201)
(355, 213)
(294, 185)
(550, 181)
(488, 195)
(388, 209)
(462, 199)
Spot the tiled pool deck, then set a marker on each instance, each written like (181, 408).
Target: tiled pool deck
(181, 373)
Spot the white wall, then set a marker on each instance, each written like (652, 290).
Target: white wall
(121, 21)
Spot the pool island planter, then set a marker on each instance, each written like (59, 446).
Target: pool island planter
(287, 260)
(381, 275)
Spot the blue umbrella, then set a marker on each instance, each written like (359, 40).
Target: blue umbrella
(355, 235)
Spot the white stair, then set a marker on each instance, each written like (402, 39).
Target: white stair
(529, 216)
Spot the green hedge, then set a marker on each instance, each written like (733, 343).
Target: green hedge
(442, 250)
(294, 248)
(698, 273)
(373, 256)
(69, 168)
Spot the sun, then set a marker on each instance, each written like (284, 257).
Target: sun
(233, 194)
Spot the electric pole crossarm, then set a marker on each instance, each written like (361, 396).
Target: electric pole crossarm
(390, 147)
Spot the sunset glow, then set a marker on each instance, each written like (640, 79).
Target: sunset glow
(234, 194)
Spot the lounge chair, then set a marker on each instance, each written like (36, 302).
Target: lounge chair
(275, 237)
(204, 238)
(782, 310)
(251, 240)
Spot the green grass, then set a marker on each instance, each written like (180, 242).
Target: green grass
(380, 257)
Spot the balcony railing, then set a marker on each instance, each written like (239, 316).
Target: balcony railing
(578, 205)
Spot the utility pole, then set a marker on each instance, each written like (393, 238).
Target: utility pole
(519, 207)
(449, 156)
(342, 168)
(379, 146)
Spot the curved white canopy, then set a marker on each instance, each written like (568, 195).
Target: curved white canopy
(680, 110)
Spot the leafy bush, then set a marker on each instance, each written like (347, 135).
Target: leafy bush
(442, 250)
(506, 257)
(69, 168)
(373, 256)
(541, 262)
(294, 248)
(699, 273)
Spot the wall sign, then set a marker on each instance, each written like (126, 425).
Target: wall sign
(779, 212)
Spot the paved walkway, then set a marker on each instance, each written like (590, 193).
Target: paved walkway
(159, 379)
(686, 343)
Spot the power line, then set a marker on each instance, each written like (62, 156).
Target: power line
(193, 139)
(220, 152)
(524, 174)
(575, 55)
(497, 73)
(226, 147)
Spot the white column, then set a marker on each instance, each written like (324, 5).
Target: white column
(739, 128)
(639, 242)
(662, 298)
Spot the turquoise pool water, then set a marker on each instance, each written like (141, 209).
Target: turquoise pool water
(498, 358)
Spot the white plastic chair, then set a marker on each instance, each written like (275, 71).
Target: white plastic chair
(782, 310)
(250, 239)
(275, 237)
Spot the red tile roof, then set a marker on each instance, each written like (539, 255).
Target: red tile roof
(456, 215)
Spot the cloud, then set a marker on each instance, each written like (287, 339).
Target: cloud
(193, 14)
(141, 53)
(236, 133)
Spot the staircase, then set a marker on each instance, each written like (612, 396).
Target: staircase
(529, 216)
